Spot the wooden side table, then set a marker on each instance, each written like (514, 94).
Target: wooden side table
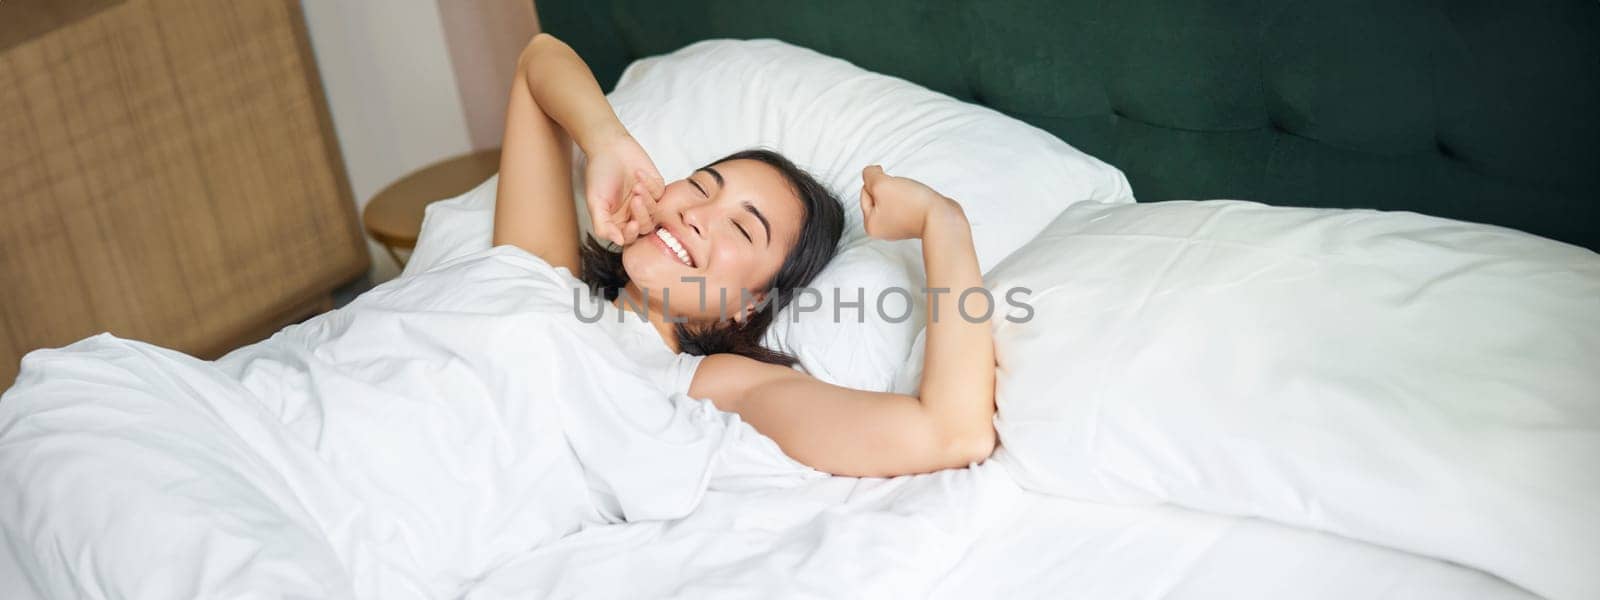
(394, 215)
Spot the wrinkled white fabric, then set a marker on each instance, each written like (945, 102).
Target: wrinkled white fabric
(839, 537)
(402, 446)
(968, 533)
(1420, 383)
(1048, 547)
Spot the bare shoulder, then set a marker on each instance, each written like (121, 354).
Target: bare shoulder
(724, 378)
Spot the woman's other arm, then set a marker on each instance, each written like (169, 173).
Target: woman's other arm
(554, 96)
(859, 433)
(958, 370)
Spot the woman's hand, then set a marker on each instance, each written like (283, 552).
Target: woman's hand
(620, 184)
(899, 208)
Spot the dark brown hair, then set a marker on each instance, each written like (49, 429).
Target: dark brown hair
(822, 222)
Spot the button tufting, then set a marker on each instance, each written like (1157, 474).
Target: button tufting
(1446, 150)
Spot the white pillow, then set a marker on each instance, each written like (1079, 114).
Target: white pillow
(1416, 382)
(832, 118)
(456, 227)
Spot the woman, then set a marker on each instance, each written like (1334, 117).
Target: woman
(742, 225)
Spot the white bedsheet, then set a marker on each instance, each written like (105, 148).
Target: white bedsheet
(834, 538)
(1049, 546)
(415, 444)
(400, 447)
(968, 534)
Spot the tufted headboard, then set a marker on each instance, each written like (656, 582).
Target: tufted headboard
(1481, 110)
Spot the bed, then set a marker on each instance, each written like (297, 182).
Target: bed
(1272, 437)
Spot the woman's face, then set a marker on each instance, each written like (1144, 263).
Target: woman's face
(734, 223)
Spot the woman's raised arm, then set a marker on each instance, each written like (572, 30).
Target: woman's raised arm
(853, 432)
(554, 96)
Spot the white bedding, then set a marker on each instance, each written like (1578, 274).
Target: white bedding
(1411, 381)
(1049, 546)
(968, 534)
(399, 447)
(413, 444)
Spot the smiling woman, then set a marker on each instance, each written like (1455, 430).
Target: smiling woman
(739, 265)
(732, 243)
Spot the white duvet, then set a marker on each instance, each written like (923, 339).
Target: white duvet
(1420, 383)
(459, 434)
(403, 446)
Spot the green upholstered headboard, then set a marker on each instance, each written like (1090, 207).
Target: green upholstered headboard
(1481, 110)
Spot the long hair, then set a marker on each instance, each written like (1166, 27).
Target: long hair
(821, 225)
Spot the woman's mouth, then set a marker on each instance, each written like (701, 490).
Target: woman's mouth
(674, 248)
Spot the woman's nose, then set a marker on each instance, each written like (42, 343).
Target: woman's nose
(691, 217)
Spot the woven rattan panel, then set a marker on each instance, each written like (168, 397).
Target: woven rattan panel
(167, 173)
(23, 20)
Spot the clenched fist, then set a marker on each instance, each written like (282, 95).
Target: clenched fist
(899, 208)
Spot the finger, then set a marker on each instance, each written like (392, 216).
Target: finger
(635, 179)
(871, 177)
(649, 201)
(614, 232)
(642, 191)
(867, 206)
(614, 213)
(599, 203)
(621, 214)
(641, 214)
(872, 174)
(658, 187)
(606, 232)
(601, 220)
(653, 184)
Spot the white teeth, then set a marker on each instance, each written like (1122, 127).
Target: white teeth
(675, 245)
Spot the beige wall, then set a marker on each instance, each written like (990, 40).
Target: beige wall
(410, 82)
(484, 39)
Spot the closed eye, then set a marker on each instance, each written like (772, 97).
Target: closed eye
(746, 234)
(696, 185)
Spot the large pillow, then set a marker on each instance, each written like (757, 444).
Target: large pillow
(455, 227)
(832, 118)
(1424, 384)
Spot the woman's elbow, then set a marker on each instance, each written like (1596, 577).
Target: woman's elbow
(543, 38)
(537, 43)
(972, 447)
